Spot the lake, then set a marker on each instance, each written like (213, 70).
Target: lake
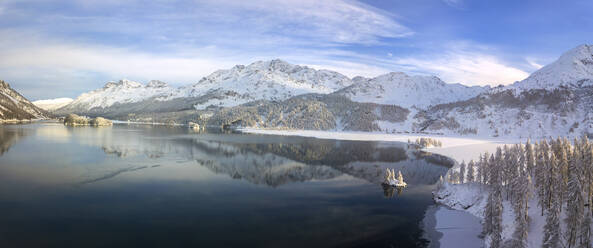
(151, 186)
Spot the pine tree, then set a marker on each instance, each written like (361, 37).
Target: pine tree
(479, 169)
(529, 158)
(507, 165)
(497, 208)
(462, 172)
(521, 188)
(514, 168)
(587, 162)
(552, 227)
(585, 234)
(575, 202)
(540, 177)
(470, 171)
(521, 157)
(562, 159)
(490, 202)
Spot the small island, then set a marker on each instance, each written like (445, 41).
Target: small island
(392, 181)
(76, 120)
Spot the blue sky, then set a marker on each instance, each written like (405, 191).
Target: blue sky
(53, 48)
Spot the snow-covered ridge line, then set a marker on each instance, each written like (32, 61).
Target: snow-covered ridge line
(398, 88)
(549, 103)
(447, 141)
(53, 104)
(14, 106)
(574, 68)
(276, 80)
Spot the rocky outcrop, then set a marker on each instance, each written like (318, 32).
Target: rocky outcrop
(100, 121)
(76, 120)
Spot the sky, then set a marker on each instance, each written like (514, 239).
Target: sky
(61, 48)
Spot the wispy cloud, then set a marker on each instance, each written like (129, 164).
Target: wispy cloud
(534, 64)
(54, 48)
(79, 44)
(339, 21)
(464, 64)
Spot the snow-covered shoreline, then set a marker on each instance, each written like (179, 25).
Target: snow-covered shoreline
(472, 146)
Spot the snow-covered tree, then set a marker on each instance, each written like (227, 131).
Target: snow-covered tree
(497, 208)
(552, 227)
(563, 163)
(585, 234)
(462, 172)
(521, 158)
(489, 211)
(479, 168)
(529, 157)
(522, 192)
(575, 202)
(562, 174)
(540, 170)
(471, 171)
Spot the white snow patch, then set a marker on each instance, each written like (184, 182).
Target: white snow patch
(53, 104)
(457, 148)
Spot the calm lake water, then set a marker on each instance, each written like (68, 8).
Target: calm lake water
(148, 186)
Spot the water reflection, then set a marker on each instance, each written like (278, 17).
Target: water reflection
(123, 185)
(9, 137)
(263, 160)
(390, 191)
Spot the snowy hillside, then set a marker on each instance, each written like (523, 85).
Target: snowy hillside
(573, 69)
(14, 106)
(397, 88)
(555, 100)
(53, 104)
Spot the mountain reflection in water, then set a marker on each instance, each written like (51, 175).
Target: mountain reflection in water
(124, 185)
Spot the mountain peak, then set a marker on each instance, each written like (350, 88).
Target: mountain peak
(572, 69)
(273, 65)
(129, 83)
(4, 84)
(15, 106)
(122, 82)
(156, 84)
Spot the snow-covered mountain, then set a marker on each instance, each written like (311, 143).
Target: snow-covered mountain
(122, 92)
(273, 80)
(573, 69)
(14, 106)
(398, 88)
(556, 100)
(53, 104)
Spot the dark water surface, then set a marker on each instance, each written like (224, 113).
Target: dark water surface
(146, 186)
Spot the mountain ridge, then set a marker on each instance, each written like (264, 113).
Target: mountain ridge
(273, 80)
(14, 106)
(554, 100)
